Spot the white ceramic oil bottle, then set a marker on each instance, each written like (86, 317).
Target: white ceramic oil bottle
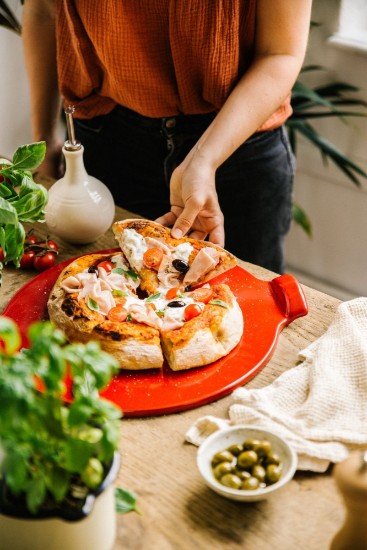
(351, 479)
(80, 208)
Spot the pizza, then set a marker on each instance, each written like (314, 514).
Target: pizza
(151, 300)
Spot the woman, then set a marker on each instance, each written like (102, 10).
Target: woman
(180, 107)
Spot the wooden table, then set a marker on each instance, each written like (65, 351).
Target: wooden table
(179, 511)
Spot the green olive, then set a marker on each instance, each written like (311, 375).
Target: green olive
(272, 458)
(251, 443)
(273, 473)
(259, 472)
(250, 484)
(223, 468)
(247, 459)
(235, 449)
(222, 456)
(243, 474)
(231, 480)
(264, 448)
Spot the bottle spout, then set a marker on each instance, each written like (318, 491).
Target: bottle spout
(71, 144)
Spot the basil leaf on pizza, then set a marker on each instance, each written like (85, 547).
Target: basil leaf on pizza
(147, 295)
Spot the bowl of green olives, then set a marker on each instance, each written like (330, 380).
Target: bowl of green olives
(246, 463)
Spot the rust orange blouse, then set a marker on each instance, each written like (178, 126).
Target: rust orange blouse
(157, 57)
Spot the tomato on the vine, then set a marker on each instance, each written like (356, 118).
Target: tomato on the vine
(107, 266)
(26, 261)
(191, 311)
(44, 261)
(2, 255)
(50, 245)
(30, 239)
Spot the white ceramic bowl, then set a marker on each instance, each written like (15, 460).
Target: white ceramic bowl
(222, 439)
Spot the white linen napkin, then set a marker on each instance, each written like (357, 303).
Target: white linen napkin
(319, 406)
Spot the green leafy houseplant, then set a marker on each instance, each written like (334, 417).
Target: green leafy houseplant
(53, 453)
(331, 100)
(21, 199)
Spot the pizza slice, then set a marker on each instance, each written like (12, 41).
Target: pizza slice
(162, 261)
(94, 298)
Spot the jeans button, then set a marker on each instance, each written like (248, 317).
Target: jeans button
(170, 123)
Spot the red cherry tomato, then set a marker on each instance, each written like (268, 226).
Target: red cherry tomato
(191, 311)
(45, 261)
(50, 244)
(2, 255)
(172, 292)
(107, 266)
(117, 313)
(153, 257)
(31, 239)
(203, 295)
(26, 261)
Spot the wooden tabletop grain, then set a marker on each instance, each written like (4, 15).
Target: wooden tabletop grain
(178, 511)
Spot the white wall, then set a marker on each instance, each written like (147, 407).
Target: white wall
(335, 259)
(14, 96)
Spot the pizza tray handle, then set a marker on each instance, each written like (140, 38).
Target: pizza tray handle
(289, 296)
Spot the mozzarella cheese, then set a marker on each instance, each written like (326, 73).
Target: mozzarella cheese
(133, 246)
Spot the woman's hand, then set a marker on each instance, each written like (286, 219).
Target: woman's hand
(194, 202)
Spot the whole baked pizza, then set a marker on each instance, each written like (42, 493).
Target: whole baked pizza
(152, 300)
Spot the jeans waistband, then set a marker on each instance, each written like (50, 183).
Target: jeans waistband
(175, 123)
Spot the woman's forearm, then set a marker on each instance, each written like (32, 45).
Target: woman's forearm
(39, 45)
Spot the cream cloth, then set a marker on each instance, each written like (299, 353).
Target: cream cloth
(320, 406)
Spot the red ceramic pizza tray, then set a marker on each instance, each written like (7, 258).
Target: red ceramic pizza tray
(267, 307)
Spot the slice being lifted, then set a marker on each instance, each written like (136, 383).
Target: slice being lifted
(140, 303)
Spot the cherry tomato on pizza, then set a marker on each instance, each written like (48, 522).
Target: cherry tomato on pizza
(44, 261)
(152, 257)
(191, 311)
(106, 265)
(117, 314)
(173, 292)
(203, 295)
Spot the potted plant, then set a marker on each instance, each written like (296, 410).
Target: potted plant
(58, 452)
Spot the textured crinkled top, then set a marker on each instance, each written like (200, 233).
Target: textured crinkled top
(158, 58)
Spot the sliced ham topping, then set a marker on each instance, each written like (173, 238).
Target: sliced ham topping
(145, 314)
(156, 243)
(117, 281)
(168, 276)
(71, 284)
(206, 259)
(102, 296)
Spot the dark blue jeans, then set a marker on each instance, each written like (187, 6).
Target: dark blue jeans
(135, 156)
